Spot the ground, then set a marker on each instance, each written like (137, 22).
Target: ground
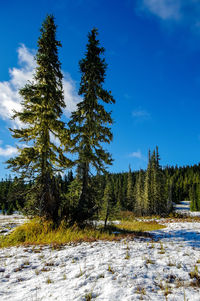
(163, 268)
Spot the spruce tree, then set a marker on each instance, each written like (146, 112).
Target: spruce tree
(162, 204)
(148, 188)
(155, 196)
(109, 206)
(139, 194)
(42, 106)
(130, 192)
(89, 125)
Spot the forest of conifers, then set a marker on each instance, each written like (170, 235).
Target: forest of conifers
(52, 147)
(182, 183)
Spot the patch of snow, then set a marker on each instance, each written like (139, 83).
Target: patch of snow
(127, 270)
(9, 222)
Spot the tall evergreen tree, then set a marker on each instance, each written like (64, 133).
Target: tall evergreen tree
(130, 191)
(162, 203)
(139, 194)
(42, 106)
(155, 196)
(89, 125)
(110, 207)
(147, 208)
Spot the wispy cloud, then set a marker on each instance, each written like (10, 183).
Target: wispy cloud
(10, 98)
(8, 151)
(164, 9)
(70, 94)
(141, 115)
(185, 12)
(138, 155)
(127, 96)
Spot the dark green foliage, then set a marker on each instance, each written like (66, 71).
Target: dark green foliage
(139, 194)
(10, 210)
(70, 200)
(155, 196)
(181, 181)
(189, 175)
(41, 112)
(110, 207)
(151, 193)
(89, 125)
(12, 191)
(194, 197)
(130, 197)
(3, 209)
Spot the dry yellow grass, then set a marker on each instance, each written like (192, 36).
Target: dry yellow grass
(37, 231)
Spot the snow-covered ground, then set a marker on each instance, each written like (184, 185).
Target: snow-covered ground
(184, 208)
(137, 269)
(9, 222)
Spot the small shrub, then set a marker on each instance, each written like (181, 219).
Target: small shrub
(127, 255)
(26, 262)
(88, 297)
(49, 264)
(140, 290)
(167, 291)
(48, 281)
(171, 264)
(150, 261)
(45, 269)
(81, 273)
(110, 270)
(195, 275)
(162, 250)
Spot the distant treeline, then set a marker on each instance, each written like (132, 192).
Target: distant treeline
(179, 183)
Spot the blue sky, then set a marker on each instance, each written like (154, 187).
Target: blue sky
(153, 55)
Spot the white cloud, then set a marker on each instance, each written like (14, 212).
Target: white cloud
(164, 9)
(9, 96)
(71, 95)
(183, 12)
(10, 99)
(141, 115)
(138, 155)
(26, 57)
(8, 151)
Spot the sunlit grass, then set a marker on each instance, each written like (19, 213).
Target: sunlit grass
(37, 231)
(140, 226)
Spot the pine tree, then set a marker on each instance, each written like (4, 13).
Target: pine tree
(139, 194)
(148, 188)
(109, 206)
(89, 125)
(162, 202)
(155, 196)
(3, 209)
(130, 191)
(42, 106)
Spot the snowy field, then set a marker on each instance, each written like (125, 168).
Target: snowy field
(138, 269)
(9, 222)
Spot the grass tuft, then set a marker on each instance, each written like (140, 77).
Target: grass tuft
(40, 232)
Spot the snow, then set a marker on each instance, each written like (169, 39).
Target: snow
(9, 222)
(184, 208)
(134, 269)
